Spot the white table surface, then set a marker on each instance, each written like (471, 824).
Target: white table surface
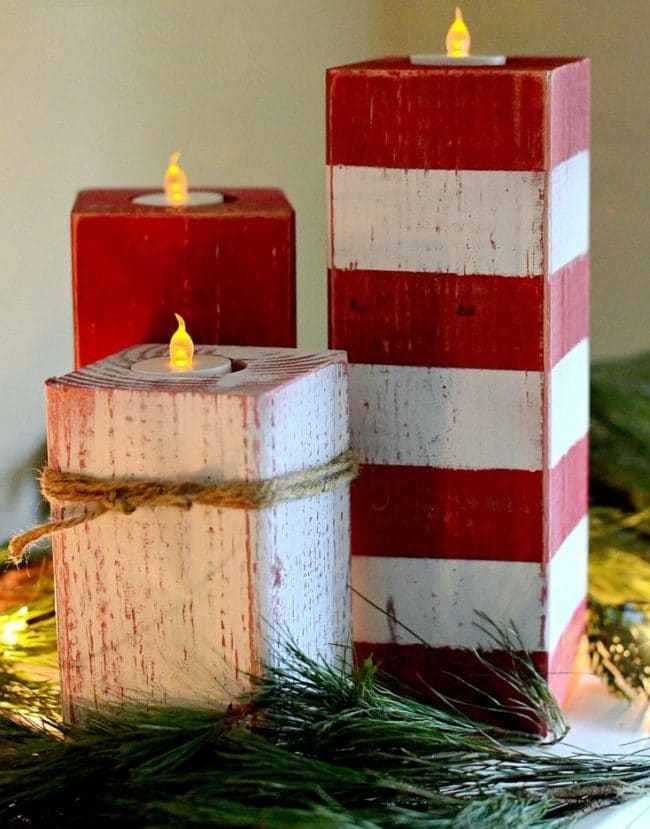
(603, 723)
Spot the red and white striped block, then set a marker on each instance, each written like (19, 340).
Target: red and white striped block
(459, 268)
(173, 606)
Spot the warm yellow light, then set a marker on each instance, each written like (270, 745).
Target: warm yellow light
(11, 629)
(181, 347)
(458, 40)
(176, 188)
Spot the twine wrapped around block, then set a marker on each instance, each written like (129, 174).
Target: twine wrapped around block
(125, 496)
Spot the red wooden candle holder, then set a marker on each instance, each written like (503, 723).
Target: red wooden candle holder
(459, 271)
(228, 269)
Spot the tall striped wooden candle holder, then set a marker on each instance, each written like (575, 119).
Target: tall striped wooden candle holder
(173, 605)
(228, 268)
(459, 286)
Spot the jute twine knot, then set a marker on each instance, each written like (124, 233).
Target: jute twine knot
(101, 495)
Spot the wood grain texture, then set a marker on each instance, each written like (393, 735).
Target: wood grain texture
(438, 221)
(229, 270)
(436, 599)
(176, 606)
(568, 307)
(426, 512)
(567, 582)
(453, 418)
(568, 406)
(531, 114)
(451, 320)
(567, 231)
(567, 487)
(459, 267)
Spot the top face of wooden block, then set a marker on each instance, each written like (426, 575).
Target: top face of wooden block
(529, 115)
(540, 64)
(258, 371)
(261, 202)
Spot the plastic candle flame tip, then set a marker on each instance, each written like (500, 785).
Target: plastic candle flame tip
(175, 183)
(458, 38)
(181, 347)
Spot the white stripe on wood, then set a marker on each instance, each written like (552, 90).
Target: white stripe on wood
(446, 417)
(437, 221)
(567, 581)
(569, 401)
(436, 598)
(568, 219)
(459, 221)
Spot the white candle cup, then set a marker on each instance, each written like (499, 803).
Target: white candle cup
(203, 365)
(196, 198)
(470, 60)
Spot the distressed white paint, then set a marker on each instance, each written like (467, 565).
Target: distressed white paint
(178, 606)
(568, 220)
(567, 581)
(437, 221)
(450, 418)
(569, 401)
(436, 598)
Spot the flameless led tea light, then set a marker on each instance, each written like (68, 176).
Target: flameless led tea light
(458, 42)
(182, 363)
(176, 191)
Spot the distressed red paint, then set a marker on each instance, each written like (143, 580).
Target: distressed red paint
(446, 320)
(568, 493)
(426, 512)
(469, 118)
(568, 307)
(562, 675)
(458, 674)
(228, 269)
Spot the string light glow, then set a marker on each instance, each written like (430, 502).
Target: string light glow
(11, 629)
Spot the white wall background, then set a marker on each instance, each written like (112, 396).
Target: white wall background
(99, 92)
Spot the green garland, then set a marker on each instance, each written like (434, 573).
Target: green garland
(619, 555)
(328, 746)
(313, 746)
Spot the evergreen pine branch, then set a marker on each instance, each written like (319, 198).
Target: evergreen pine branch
(316, 745)
(155, 767)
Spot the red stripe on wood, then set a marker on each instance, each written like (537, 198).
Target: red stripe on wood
(451, 320)
(569, 307)
(569, 112)
(424, 512)
(561, 673)
(229, 270)
(459, 675)
(389, 113)
(568, 487)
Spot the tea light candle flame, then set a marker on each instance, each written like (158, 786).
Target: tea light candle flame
(458, 39)
(458, 42)
(176, 192)
(182, 363)
(175, 182)
(181, 347)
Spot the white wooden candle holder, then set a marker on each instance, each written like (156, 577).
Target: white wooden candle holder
(167, 605)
